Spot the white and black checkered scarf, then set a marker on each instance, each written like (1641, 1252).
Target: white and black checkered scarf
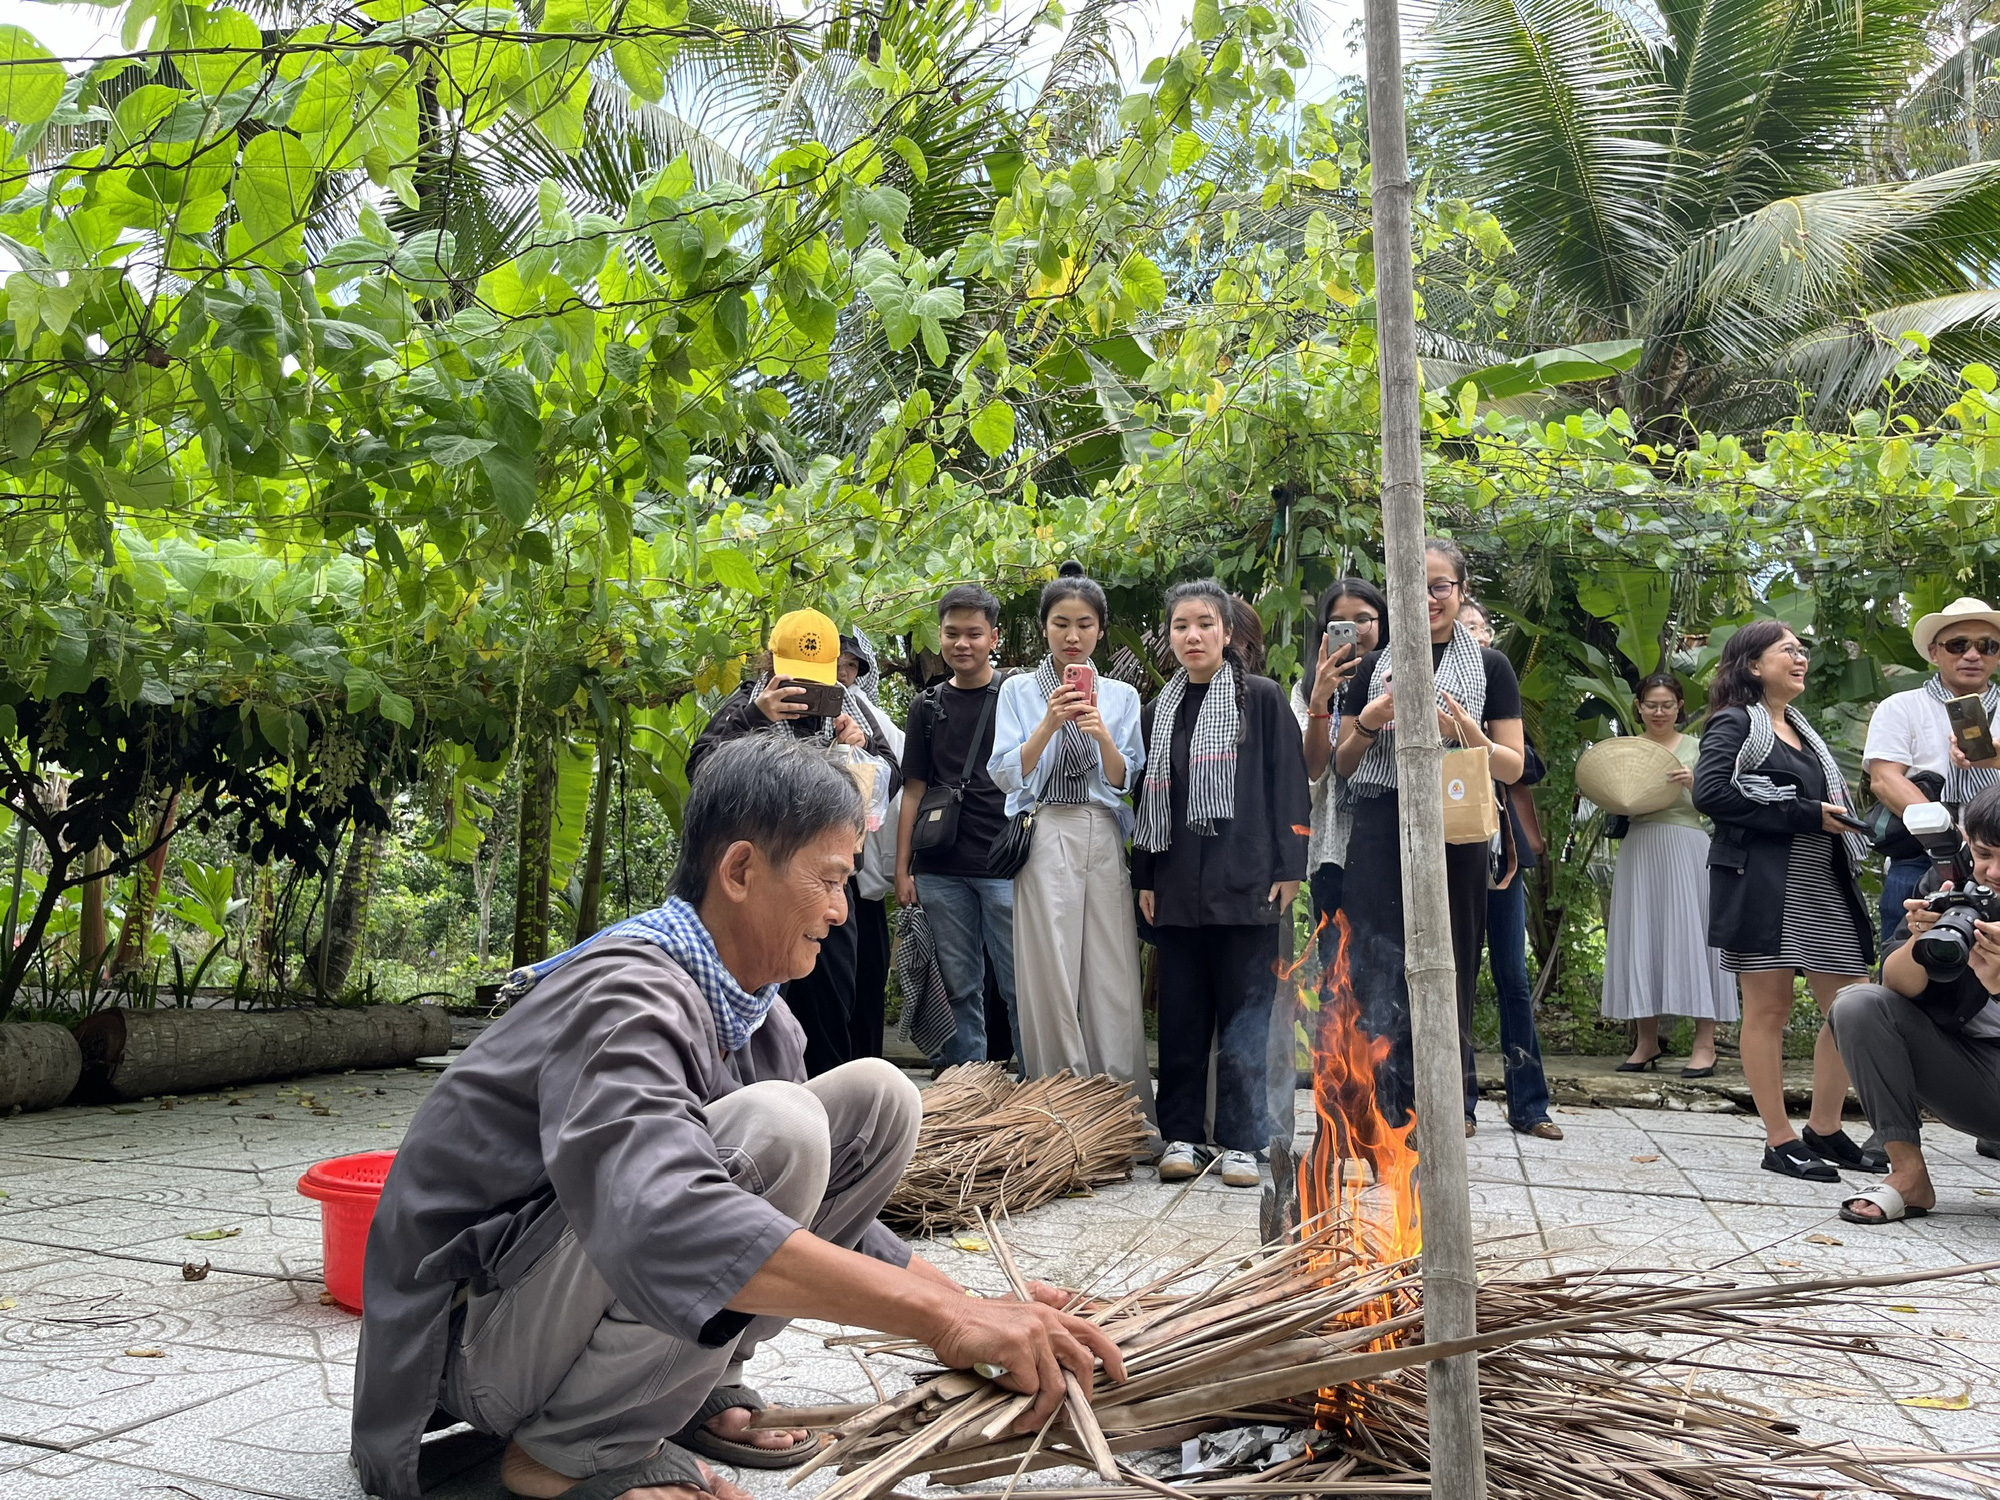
(1461, 672)
(1757, 746)
(1211, 797)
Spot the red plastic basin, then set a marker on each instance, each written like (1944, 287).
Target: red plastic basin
(347, 1188)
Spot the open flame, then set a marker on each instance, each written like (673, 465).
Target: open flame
(1361, 1173)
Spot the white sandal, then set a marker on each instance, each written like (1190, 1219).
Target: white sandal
(1883, 1197)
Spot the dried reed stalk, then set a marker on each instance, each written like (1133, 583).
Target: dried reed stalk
(991, 1145)
(1588, 1381)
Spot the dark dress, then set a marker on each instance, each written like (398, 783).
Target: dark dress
(1216, 930)
(1782, 892)
(1372, 901)
(842, 1017)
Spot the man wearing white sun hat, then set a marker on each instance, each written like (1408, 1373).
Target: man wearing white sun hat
(1910, 733)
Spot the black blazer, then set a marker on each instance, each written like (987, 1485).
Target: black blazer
(1752, 847)
(1222, 881)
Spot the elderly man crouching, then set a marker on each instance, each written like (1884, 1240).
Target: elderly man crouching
(627, 1182)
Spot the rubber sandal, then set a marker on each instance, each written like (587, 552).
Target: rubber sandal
(698, 1439)
(1839, 1148)
(670, 1465)
(1793, 1159)
(1883, 1197)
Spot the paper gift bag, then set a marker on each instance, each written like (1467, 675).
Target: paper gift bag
(1471, 813)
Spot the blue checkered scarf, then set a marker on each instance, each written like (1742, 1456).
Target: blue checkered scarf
(676, 929)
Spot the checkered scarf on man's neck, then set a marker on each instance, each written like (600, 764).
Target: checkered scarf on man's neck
(1963, 783)
(677, 930)
(1211, 796)
(1076, 757)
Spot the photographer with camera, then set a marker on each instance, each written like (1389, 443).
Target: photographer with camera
(1928, 1035)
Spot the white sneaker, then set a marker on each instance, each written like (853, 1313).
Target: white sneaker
(1239, 1169)
(1181, 1162)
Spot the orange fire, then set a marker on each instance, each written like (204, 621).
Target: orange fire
(1361, 1173)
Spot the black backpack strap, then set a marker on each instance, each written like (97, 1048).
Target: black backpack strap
(966, 771)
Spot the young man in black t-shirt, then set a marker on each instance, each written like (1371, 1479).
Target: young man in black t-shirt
(1914, 1042)
(948, 739)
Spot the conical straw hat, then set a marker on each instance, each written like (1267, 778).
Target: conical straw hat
(1628, 775)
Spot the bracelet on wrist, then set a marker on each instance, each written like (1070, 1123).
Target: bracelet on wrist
(1371, 733)
(1312, 715)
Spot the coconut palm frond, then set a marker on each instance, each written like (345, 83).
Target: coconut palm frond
(1846, 365)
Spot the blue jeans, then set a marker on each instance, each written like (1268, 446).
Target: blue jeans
(1899, 883)
(1520, 1048)
(972, 919)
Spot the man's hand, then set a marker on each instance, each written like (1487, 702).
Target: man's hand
(847, 732)
(1921, 918)
(1965, 763)
(782, 700)
(1985, 961)
(1032, 1342)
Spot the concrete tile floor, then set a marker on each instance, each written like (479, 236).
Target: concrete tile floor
(249, 1391)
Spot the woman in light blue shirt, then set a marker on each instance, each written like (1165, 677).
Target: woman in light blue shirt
(1076, 943)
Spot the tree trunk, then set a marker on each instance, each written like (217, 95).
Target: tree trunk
(262, 921)
(347, 914)
(531, 870)
(23, 953)
(592, 895)
(130, 1054)
(90, 940)
(39, 1066)
(137, 931)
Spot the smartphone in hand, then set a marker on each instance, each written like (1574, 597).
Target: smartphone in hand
(825, 700)
(1341, 633)
(1081, 677)
(1970, 727)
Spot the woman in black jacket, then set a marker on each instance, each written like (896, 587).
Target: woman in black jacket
(1219, 854)
(1782, 893)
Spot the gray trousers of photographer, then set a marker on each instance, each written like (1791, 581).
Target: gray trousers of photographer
(1902, 1062)
(560, 1365)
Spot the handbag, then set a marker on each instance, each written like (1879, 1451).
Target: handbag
(1471, 812)
(1886, 831)
(1011, 849)
(937, 814)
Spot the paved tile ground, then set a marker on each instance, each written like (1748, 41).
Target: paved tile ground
(249, 1390)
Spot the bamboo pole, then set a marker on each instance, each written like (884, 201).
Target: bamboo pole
(1450, 1273)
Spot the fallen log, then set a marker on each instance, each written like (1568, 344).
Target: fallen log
(39, 1064)
(131, 1054)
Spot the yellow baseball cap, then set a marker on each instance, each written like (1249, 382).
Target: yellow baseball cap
(805, 644)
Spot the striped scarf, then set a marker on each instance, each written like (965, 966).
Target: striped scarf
(1076, 758)
(1757, 746)
(1963, 783)
(1211, 761)
(677, 929)
(1461, 672)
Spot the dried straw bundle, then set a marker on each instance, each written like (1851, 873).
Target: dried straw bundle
(994, 1145)
(1587, 1381)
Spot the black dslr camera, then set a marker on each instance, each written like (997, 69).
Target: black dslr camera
(1946, 948)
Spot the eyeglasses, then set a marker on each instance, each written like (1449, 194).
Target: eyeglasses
(1959, 645)
(1796, 652)
(1362, 619)
(1442, 588)
(1659, 708)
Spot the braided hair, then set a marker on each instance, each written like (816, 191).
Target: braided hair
(1215, 595)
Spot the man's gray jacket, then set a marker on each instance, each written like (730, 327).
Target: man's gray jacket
(580, 1108)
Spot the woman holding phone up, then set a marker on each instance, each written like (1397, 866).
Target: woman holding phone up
(1351, 621)
(1066, 742)
(1782, 898)
(1219, 854)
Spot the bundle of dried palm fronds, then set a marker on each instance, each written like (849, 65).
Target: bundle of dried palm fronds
(1587, 1380)
(991, 1144)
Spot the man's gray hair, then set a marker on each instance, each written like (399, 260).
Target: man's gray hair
(772, 789)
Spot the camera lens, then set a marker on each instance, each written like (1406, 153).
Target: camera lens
(1945, 949)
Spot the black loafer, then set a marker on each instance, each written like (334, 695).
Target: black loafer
(1793, 1160)
(1990, 1149)
(1839, 1148)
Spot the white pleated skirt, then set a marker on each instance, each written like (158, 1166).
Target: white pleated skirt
(1657, 961)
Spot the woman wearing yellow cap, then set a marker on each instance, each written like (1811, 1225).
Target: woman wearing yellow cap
(799, 675)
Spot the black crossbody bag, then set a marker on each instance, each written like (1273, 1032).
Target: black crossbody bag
(937, 814)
